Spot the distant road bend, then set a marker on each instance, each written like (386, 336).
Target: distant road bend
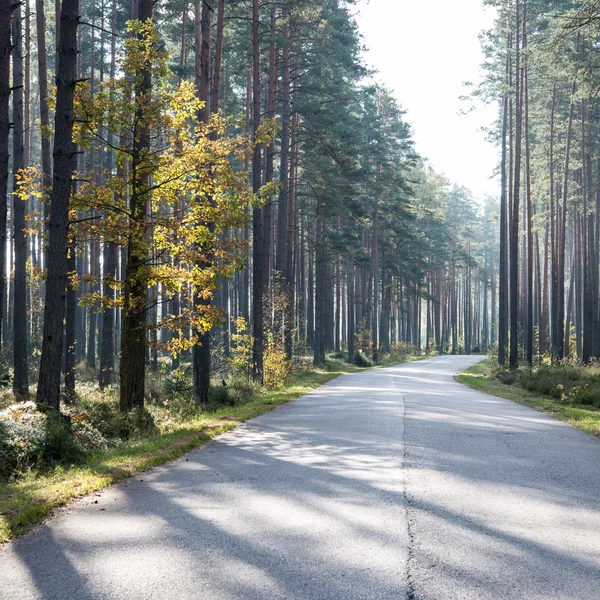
(396, 483)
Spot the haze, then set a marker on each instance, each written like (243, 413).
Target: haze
(428, 79)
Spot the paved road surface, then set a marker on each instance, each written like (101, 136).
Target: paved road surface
(395, 483)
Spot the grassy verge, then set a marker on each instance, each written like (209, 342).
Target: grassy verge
(27, 501)
(481, 377)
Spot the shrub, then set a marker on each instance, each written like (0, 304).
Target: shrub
(363, 339)
(30, 438)
(179, 383)
(278, 368)
(360, 360)
(136, 422)
(240, 357)
(60, 443)
(506, 377)
(21, 437)
(243, 390)
(588, 395)
(219, 395)
(334, 364)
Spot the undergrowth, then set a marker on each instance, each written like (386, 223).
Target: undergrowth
(568, 392)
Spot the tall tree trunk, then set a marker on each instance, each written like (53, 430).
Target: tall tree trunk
(553, 238)
(48, 391)
(44, 112)
(544, 308)
(201, 350)
(270, 156)
(320, 294)
(111, 253)
(257, 228)
(6, 7)
(514, 227)
(529, 330)
(70, 332)
(375, 272)
(284, 249)
(351, 306)
(20, 354)
(135, 306)
(587, 251)
(561, 238)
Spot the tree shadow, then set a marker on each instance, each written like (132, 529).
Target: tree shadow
(314, 500)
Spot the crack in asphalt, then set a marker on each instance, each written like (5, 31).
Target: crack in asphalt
(411, 593)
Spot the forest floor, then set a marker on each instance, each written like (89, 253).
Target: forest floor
(486, 377)
(32, 497)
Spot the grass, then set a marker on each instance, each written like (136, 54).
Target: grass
(482, 377)
(26, 502)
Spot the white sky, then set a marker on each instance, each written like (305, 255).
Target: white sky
(424, 51)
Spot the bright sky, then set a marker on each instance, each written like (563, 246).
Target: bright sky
(424, 51)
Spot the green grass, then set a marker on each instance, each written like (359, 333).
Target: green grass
(27, 501)
(481, 377)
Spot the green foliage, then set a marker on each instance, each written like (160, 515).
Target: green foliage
(137, 422)
(32, 439)
(218, 395)
(566, 383)
(240, 358)
(574, 384)
(243, 390)
(400, 352)
(334, 364)
(178, 383)
(360, 360)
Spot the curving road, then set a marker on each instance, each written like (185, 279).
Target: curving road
(396, 483)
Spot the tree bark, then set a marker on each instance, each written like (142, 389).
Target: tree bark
(257, 213)
(514, 227)
(529, 330)
(46, 155)
(48, 391)
(133, 354)
(201, 350)
(5, 50)
(20, 354)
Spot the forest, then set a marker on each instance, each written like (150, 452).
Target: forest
(180, 173)
(202, 200)
(541, 63)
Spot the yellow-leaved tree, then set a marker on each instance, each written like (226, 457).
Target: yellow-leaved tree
(178, 185)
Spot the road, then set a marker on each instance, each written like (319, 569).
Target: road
(396, 483)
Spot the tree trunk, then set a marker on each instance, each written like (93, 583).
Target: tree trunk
(514, 226)
(5, 50)
(133, 354)
(529, 330)
(201, 350)
(20, 355)
(70, 339)
(111, 254)
(561, 238)
(48, 391)
(44, 112)
(257, 228)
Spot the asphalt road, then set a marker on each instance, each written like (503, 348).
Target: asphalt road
(396, 483)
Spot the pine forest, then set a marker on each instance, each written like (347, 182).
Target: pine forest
(204, 203)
